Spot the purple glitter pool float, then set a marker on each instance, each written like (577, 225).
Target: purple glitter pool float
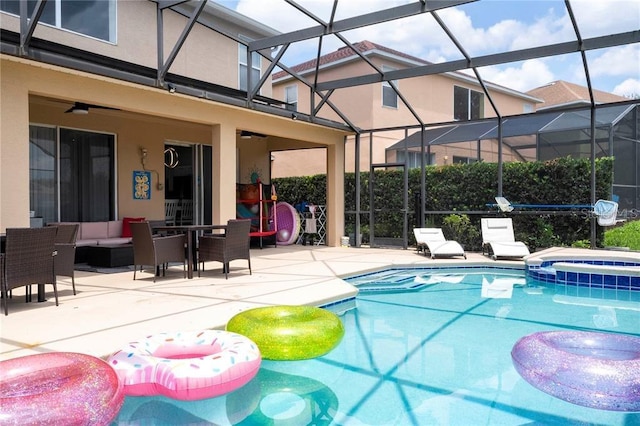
(598, 370)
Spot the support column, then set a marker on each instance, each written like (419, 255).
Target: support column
(335, 193)
(223, 141)
(14, 149)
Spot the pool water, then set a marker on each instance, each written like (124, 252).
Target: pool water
(422, 348)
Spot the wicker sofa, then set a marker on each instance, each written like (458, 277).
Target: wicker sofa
(108, 233)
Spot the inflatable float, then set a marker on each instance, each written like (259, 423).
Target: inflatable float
(287, 399)
(59, 388)
(598, 370)
(288, 224)
(289, 332)
(188, 365)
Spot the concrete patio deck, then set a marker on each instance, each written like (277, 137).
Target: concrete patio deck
(111, 310)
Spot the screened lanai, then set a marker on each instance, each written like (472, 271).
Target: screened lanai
(588, 37)
(541, 137)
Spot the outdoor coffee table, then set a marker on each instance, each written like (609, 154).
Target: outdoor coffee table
(110, 256)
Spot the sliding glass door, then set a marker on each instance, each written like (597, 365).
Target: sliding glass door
(73, 180)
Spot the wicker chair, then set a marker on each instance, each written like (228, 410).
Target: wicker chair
(28, 259)
(234, 244)
(156, 251)
(66, 251)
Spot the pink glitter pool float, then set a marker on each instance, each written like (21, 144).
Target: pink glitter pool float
(58, 388)
(598, 370)
(187, 365)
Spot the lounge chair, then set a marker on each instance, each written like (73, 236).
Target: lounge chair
(433, 241)
(498, 239)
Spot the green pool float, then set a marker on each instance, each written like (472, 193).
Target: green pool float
(289, 332)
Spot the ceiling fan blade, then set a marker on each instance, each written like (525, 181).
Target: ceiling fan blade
(82, 108)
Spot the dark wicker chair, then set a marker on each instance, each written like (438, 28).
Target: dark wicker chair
(66, 251)
(234, 244)
(156, 251)
(28, 259)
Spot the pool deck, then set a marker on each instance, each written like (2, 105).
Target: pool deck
(111, 310)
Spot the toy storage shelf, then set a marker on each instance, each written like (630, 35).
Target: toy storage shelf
(260, 208)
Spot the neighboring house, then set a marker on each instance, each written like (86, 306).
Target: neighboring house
(90, 104)
(440, 98)
(564, 94)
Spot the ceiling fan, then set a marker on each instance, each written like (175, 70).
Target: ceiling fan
(82, 108)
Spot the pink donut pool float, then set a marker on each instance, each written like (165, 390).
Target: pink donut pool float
(188, 365)
(598, 370)
(59, 388)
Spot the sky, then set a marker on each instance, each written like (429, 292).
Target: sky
(482, 27)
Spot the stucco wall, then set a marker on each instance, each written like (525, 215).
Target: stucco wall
(206, 55)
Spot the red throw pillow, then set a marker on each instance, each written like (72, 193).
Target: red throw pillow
(126, 229)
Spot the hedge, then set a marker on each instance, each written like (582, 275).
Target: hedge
(469, 187)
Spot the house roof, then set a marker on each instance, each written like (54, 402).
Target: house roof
(345, 53)
(563, 93)
(366, 47)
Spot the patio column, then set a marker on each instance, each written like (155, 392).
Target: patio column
(14, 148)
(223, 168)
(335, 193)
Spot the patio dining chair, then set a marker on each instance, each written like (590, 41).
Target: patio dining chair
(156, 251)
(171, 207)
(28, 259)
(234, 244)
(65, 245)
(186, 212)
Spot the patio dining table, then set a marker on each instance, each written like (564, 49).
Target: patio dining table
(192, 241)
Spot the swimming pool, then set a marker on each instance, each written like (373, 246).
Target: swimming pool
(425, 346)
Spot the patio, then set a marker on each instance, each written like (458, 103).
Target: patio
(113, 309)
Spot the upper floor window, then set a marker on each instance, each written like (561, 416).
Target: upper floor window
(242, 67)
(93, 18)
(291, 97)
(389, 96)
(467, 104)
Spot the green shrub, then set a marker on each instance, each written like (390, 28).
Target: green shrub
(459, 228)
(581, 244)
(627, 235)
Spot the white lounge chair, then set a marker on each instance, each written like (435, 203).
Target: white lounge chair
(498, 239)
(433, 240)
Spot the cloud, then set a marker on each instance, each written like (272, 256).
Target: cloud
(523, 77)
(482, 28)
(616, 61)
(629, 88)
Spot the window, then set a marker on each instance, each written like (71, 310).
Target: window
(81, 165)
(412, 158)
(457, 159)
(389, 96)
(242, 67)
(43, 197)
(291, 97)
(93, 18)
(467, 104)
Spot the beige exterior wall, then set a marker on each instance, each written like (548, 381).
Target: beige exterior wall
(205, 55)
(430, 96)
(39, 94)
